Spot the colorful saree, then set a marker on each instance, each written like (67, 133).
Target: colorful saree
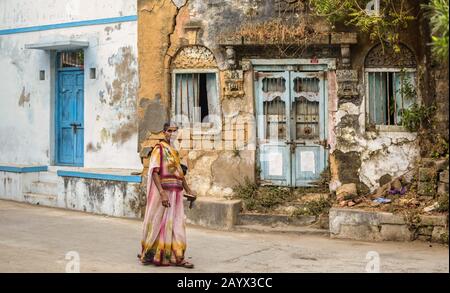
(164, 232)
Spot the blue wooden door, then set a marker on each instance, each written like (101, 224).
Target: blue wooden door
(291, 115)
(308, 128)
(70, 117)
(273, 127)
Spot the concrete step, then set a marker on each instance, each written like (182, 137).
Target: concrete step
(50, 177)
(40, 199)
(270, 220)
(48, 188)
(283, 229)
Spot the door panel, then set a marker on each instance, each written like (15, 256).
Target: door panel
(308, 131)
(273, 134)
(70, 117)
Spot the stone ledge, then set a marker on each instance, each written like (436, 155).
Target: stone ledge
(269, 220)
(15, 168)
(434, 221)
(283, 229)
(213, 213)
(381, 226)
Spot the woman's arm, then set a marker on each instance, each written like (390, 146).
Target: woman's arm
(162, 192)
(186, 187)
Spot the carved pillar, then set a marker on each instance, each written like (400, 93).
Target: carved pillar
(231, 57)
(347, 80)
(345, 55)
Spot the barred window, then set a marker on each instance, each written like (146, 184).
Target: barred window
(390, 84)
(195, 96)
(389, 93)
(68, 59)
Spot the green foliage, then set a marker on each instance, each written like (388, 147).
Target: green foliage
(261, 198)
(443, 203)
(407, 90)
(385, 27)
(314, 208)
(417, 116)
(440, 147)
(438, 11)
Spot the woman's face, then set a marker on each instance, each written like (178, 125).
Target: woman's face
(169, 132)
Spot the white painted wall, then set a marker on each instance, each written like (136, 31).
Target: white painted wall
(25, 13)
(26, 130)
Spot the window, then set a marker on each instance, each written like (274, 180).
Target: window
(390, 84)
(68, 59)
(196, 97)
(389, 93)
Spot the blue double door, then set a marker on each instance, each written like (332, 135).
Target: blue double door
(70, 117)
(292, 127)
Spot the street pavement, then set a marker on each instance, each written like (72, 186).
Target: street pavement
(41, 239)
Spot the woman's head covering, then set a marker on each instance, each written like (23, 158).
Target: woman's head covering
(169, 125)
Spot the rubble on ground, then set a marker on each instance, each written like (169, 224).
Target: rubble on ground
(424, 189)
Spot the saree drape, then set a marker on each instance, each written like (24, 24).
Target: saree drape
(164, 231)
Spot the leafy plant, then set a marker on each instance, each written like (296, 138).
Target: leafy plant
(417, 116)
(438, 11)
(383, 26)
(314, 208)
(262, 198)
(443, 203)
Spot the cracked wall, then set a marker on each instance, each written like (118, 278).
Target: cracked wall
(165, 27)
(372, 154)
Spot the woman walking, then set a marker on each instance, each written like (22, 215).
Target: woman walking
(164, 231)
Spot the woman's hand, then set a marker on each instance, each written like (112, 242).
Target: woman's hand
(164, 198)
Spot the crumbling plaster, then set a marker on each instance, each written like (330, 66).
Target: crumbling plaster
(389, 151)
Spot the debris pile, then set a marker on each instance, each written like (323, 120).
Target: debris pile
(424, 189)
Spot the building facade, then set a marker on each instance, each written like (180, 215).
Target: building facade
(267, 91)
(264, 92)
(68, 102)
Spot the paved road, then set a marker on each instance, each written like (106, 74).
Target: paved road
(37, 239)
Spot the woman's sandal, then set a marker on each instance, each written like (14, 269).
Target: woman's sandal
(144, 261)
(185, 264)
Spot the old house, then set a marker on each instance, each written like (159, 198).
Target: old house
(69, 79)
(265, 90)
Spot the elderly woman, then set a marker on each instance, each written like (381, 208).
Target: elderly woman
(164, 232)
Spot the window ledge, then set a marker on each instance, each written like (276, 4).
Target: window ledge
(200, 128)
(391, 128)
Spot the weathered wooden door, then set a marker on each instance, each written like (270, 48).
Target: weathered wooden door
(291, 108)
(70, 117)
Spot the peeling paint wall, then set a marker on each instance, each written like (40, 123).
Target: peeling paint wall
(27, 104)
(114, 198)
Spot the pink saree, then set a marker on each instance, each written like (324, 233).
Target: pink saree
(164, 232)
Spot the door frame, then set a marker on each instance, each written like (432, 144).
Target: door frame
(325, 65)
(57, 113)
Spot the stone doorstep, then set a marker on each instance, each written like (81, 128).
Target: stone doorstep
(273, 220)
(283, 229)
(213, 213)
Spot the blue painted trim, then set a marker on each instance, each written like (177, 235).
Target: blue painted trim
(68, 25)
(99, 176)
(32, 169)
